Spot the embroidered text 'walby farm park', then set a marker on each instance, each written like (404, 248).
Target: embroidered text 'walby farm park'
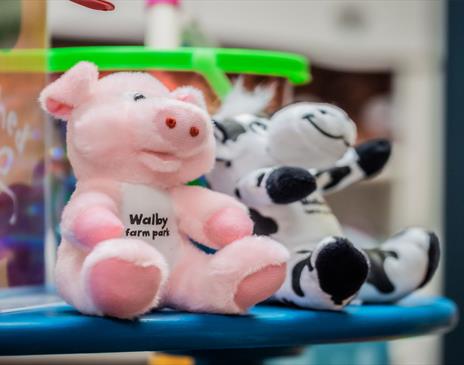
(156, 220)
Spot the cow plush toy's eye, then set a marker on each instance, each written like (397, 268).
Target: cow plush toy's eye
(219, 132)
(257, 126)
(139, 96)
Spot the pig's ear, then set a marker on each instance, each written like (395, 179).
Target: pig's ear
(190, 95)
(63, 95)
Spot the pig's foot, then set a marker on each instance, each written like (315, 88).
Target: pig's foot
(124, 277)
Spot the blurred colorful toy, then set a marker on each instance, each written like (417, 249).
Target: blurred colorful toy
(270, 164)
(133, 145)
(22, 146)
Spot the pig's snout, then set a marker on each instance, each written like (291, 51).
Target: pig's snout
(172, 122)
(194, 131)
(182, 132)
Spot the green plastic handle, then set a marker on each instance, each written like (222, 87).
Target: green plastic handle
(213, 63)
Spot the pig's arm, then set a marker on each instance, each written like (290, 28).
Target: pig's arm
(91, 216)
(211, 218)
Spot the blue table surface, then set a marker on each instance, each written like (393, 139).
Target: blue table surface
(56, 328)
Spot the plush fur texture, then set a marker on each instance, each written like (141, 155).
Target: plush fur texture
(240, 100)
(126, 231)
(325, 270)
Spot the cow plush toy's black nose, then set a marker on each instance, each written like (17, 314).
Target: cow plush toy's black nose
(373, 155)
(287, 185)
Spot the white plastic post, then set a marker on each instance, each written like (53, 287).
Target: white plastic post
(163, 29)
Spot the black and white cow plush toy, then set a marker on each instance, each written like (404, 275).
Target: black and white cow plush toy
(282, 167)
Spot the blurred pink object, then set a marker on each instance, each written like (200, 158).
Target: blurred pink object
(102, 5)
(156, 2)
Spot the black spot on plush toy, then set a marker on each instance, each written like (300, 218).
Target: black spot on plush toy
(282, 167)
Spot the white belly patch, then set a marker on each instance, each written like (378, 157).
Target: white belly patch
(148, 214)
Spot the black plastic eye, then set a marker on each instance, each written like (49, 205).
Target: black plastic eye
(139, 96)
(220, 132)
(323, 111)
(257, 126)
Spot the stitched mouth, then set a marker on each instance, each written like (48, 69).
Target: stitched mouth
(164, 156)
(160, 161)
(310, 119)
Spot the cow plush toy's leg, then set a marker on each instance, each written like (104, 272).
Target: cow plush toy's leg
(360, 163)
(326, 276)
(275, 185)
(404, 263)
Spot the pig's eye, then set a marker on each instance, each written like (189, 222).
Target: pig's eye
(139, 96)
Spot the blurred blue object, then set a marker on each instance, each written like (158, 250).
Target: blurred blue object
(372, 353)
(56, 328)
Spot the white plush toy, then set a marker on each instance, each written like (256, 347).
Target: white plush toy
(281, 167)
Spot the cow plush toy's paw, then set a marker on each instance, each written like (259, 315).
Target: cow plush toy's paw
(327, 277)
(287, 184)
(373, 155)
(281, 185)
(341, 269)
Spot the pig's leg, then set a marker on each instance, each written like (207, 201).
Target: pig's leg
(235, 278)
(120, 277)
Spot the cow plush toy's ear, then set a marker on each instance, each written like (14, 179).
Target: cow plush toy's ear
(63, 95)
(190, 95)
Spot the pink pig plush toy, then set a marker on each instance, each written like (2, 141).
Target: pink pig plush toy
(133, 145)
